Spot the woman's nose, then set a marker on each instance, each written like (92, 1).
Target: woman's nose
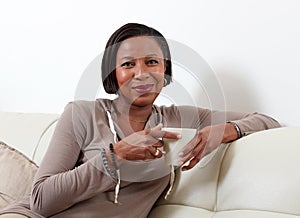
(141, 71)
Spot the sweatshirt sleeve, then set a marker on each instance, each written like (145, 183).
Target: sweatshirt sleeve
(247, 122)
(196, 117)
(59, 183)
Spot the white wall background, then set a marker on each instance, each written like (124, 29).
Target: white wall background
(252, 45)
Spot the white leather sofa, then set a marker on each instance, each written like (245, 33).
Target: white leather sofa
(256, 176)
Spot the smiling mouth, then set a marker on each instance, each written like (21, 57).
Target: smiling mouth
(142, 89)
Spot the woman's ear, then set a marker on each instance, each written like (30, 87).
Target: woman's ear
(165, 82)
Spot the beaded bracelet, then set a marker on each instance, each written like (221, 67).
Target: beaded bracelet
(105, 162)
(116, 172)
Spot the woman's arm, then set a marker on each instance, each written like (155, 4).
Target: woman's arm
(247, 122)
(58, 184)
(222, 127)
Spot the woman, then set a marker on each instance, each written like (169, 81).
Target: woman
(106, 157)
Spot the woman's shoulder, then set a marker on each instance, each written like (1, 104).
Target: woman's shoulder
(86, 109)
(88, 105)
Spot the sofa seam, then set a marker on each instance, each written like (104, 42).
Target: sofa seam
(218, 176)
(41, 136)
(260, 210)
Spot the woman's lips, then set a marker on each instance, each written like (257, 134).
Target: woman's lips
(142, 89)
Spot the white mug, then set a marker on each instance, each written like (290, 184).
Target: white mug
(172, 147)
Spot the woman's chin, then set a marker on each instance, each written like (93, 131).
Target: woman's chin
(145, 99)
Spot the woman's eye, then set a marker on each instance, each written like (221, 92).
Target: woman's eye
(152, 62)
(127, 64)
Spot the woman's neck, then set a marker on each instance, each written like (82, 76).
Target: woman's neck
(134, 112)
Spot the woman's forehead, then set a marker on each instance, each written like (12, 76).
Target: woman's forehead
(137, 47)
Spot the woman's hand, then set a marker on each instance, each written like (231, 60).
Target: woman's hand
(206, 140)
(144, 144)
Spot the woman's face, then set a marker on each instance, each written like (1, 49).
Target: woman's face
(140, 70)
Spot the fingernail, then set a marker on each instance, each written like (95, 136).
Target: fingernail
(181, 154)
(180, 162)
(179, 136)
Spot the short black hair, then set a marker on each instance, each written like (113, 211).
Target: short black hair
(108, 65)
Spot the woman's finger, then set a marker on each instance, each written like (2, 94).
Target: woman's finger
(158, 144)
(139, 153)
(195, 159)
(157, 132)
(155, 152)
(197, 149)
(192, 163)
(190, 146)
(170, 135)
(154, 130)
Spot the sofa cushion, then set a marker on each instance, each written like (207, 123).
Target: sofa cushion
(196, 188)
(256, 176)
(17, 173)
(261, 172)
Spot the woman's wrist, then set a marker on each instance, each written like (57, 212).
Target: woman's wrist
(119, 150)
(231, 132)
